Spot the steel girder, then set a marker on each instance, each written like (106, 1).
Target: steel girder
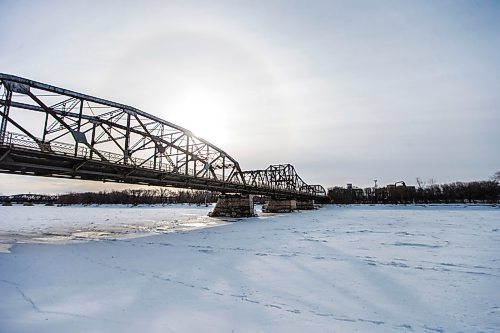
(62, 133)
(282, 177)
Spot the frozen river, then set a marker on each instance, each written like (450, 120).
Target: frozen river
(45, 224)
(337, 269)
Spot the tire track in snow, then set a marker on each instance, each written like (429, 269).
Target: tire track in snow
(35, 307)
(241, 297)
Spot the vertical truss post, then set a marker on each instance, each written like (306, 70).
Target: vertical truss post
(6, 108)
(127, 141)
(79, 126)
(187, 154)
(207, 163)
(162, 133)
(45, 127)
(224, 168)
(194, 167)
(154, 156)
(92, 140)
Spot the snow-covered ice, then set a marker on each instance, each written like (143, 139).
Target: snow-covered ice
(39, 223)
(337, 269)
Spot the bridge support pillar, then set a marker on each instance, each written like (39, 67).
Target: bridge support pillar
(234, 206)
(279, 206)
(305, 204)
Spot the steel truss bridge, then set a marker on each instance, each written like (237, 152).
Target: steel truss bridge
(55, 132)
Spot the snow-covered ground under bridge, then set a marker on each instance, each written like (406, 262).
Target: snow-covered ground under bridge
(337, 269)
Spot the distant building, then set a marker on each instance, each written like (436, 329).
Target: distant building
(392, 193)
(400, 193)
(350, 194)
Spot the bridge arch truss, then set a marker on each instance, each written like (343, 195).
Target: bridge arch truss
(51, 131)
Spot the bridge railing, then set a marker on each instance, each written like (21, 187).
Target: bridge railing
(18, 140)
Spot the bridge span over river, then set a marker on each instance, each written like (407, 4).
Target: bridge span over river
(55, 132)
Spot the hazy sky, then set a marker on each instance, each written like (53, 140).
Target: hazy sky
(346, 91)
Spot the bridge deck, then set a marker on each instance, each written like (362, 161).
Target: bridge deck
(73, 135)
(19, 155)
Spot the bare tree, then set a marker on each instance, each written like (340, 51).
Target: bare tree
(496, 177)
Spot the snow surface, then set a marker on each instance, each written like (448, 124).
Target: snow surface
(26, 224)
(337, 269)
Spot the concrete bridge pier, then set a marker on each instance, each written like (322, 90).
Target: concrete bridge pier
(234, 205)
(305, 204)
(279, 206)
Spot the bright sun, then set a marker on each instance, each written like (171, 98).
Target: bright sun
(205, 115)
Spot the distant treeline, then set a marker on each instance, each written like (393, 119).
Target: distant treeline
(138, 197)
(132, 197)
(458, 192)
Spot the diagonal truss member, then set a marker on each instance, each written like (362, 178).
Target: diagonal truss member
(62, 133)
